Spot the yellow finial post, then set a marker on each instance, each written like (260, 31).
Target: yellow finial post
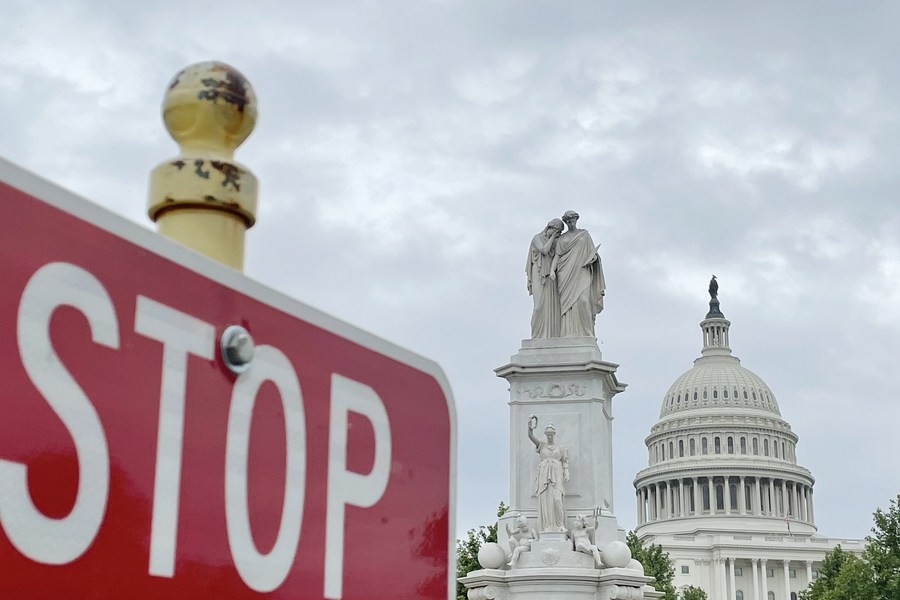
(203, 198)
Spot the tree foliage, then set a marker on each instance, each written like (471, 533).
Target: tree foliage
(883, 551)
(873, 576)
(690, 592)
(656, 564)
(467, 550)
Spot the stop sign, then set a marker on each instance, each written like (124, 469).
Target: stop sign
(134, 463)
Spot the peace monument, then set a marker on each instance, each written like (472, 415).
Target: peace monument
(560, 540)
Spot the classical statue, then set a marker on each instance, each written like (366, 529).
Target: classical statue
(520, 537)
(579, 275)
(541, 270)
(581, 535)
(713, 287)
(552, 475)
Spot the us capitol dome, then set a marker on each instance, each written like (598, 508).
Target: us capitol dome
(723, 492)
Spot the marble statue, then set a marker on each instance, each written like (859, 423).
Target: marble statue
(520, 537)
(579, 275)
(552, 475)
(581, 535)
(541, 270)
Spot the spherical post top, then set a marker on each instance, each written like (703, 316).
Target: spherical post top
(203, 198)
(209, 107)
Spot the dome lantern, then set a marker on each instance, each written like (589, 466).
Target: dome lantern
(715, 326)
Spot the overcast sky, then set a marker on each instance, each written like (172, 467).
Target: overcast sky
(408, 151)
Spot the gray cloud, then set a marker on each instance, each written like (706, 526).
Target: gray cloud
(407, 152)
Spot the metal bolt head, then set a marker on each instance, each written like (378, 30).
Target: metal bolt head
(237, 348)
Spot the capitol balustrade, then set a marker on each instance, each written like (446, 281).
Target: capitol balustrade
(762, 541)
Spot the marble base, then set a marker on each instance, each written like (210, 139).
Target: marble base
(548, 552)
(558, 583)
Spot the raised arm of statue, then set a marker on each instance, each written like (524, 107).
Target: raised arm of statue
(593, 526)
(544, 244)
(532, 423)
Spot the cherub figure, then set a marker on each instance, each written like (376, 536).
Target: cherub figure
(582, 533)
(520, 537)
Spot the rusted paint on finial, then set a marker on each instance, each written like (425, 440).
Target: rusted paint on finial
(203, 198)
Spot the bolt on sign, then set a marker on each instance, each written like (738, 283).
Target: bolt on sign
(144, 454)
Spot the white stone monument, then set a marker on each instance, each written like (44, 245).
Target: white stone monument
(560, 540)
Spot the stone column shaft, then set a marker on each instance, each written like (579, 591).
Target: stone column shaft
(638, 494)
(718, 578)
(656, 500)
(763, 497)
(784, 498)
(812, 511)
(731, 593)
(742, 498)
(755, 503)
(645, 498)
(697, 503)
(764, 577)
(755, 563)
(787, 579)
(726, 495)
(723, 576)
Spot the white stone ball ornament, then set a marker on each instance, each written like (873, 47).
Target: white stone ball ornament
(616, 554)
(635, 565)
(492, 556)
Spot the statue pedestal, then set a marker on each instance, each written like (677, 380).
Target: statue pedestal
(564, 381)
(553, 550)
(559, 583)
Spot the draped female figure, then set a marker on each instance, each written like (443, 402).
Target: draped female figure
(552, 475)
(540, 269)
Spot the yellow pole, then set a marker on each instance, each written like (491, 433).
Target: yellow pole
(203, 198)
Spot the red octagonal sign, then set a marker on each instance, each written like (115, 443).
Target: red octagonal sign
(135, 464)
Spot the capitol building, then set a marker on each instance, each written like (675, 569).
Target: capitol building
(723, 492)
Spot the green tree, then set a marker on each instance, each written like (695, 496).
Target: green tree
(883, 551)
(656, 564)
(828, 574)
(873, 576)
(690, 592)
(467, 550)
(843, 576)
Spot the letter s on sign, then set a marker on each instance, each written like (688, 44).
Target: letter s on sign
(40, 538)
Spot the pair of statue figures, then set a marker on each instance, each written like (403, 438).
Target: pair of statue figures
(565, 277)
(521, 534)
